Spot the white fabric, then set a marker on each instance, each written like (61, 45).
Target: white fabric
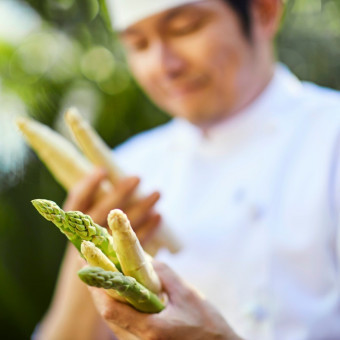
(256, 203)
(125, 13)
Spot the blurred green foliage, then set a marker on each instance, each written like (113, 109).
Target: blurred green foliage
(72, 58)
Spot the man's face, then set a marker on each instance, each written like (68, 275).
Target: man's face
(193, 61)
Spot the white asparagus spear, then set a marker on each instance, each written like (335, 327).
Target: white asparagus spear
(61, 157)
(96, 258)
(92, 145)
(131, 256)
(100, 154)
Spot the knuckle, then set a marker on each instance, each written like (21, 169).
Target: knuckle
(156, 329)
(108, 313)
(157, 334)
(115, 199)
(188, 295)
(154, 222)
(127, 187)
(154, 335)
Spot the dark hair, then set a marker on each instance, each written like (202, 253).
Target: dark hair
(242, 8)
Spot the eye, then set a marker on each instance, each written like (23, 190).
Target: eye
(184, 28)
(185, 24)
(136, 45)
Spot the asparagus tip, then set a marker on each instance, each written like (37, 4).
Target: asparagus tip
(86, 245)
(39, 203)
(90, 274)
(72, 115)
(22, 122)
(48, 209)
(84, 274)
(116, 219)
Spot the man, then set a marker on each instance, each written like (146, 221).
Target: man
(248, 171)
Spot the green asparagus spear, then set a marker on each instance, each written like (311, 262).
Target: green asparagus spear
(53, 213)
(136, 294)
(87, 230)
(79, 226)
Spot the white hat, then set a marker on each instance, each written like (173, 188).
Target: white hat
(127, 12)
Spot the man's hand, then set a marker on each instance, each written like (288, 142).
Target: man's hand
(72, 296)
(140, 212)
(187, 316)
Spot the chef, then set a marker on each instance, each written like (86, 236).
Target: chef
(247, 171)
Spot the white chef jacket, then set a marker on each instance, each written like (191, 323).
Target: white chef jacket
(255, 201)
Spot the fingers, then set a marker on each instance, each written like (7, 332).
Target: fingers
(139, 211)
(118, 198)
(146, 231)
(81, 196)
(121, 333)
(172, 284)
(119, 314)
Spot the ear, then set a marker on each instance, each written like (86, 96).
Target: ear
(265, 16)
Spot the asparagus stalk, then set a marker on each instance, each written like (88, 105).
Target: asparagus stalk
(136, 294)
(80, 225)
(100, 154)
(53, 213)
(96, 258)
(131, 256)
(63, 160)
(59, 155)
(93, 147)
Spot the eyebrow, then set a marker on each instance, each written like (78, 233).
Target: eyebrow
(169, 15)
(172, 14)
(128, 32)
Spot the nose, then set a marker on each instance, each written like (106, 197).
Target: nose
(172, 63)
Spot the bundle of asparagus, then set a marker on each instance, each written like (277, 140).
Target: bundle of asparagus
(69, 166)
(117, 263)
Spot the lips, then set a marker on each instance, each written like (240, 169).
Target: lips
(185, 87)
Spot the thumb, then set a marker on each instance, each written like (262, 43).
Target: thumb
(116, 313)
(172, 284)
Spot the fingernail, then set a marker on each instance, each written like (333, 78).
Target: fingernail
(158, 217)
(101, 171)
(156, 194)
(134, 181)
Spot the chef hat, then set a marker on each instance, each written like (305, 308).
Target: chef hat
(127, 12)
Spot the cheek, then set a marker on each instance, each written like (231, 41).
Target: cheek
(227, 62)
(144, 71)
(221, 51)
(222, 59)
